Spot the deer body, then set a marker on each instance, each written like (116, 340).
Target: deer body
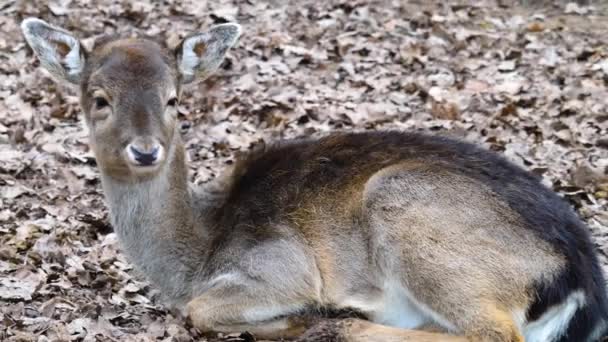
(413, 231)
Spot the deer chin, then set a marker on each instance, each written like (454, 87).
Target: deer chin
(139, 170)
(145, 170)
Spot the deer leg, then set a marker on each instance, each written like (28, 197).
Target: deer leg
(358, 330)
(272, 315)
(218, 311)
(252, 308)
(495, 329)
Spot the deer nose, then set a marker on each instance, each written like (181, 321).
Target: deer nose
(143, 156)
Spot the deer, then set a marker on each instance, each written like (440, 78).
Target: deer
(429, 238)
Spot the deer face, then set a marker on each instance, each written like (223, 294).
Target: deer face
(129, 92)
(129, 89)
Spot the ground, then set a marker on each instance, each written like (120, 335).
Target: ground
(526, 81)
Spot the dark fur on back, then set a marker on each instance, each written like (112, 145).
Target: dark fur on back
(294, 171)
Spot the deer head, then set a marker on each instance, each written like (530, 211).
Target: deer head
(129, 88)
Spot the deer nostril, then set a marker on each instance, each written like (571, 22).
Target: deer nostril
(144, 158)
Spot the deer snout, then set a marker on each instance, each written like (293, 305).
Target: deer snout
(144, 153)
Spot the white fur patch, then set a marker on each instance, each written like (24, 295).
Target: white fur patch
(553, 323)
(519, 317)
(397, 307)
(232, 277)
(268, 312)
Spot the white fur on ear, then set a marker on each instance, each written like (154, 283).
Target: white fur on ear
(59, 52)
(201, 54)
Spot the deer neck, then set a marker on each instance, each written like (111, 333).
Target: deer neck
(154, 221)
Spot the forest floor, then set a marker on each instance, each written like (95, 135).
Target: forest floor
(529, 82)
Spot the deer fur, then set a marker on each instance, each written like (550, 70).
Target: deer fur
(431, 239)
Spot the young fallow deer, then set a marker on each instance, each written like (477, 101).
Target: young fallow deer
(429, 238)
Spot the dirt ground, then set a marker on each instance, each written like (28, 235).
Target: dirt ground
(529, 82)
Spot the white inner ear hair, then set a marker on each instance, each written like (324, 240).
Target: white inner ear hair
(44, 39)
(190, 60)
(73, 60)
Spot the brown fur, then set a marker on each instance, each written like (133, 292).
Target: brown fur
(369, 197)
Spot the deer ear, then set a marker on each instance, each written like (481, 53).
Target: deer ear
(199, 55)
(58, 51)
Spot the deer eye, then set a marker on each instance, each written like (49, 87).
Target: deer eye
(101, 103)
(172, 102)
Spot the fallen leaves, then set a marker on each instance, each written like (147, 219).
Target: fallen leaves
(21, 285)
